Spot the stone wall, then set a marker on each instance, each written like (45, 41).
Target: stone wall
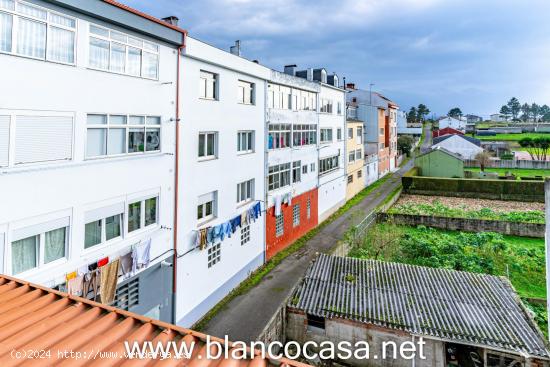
(467, 225)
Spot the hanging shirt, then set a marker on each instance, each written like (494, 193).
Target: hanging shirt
(278, 200)
(235, 222)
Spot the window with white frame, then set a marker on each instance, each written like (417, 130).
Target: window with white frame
(308, 208)
(339, 133)
(359, 136)
(304, 134)
(278, 136)
(32, 31)
(304, 169)
(207, 206)
(278, 176)
(245, 92)
(103, 225)
(245, 141)
(358, 154)
(109, 135)
(214, 255)
(279, 225)
(245, 234)
(312, 167)
(307, 100)
(350, 179)
(208, 145)
(208, 85)
(328, 164)
(285, 96)
(326, 135)
(273, 96)
(326, 105)
(121, 53)
(296, 215)
(296, 171)
(351, 157)
(35, 246)
(350, 133)
(142, 213)
(245, 191)
(339, 108)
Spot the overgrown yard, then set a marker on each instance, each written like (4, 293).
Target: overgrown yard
(511, 137)
(511, 211)
(516, 171)
(518, 258)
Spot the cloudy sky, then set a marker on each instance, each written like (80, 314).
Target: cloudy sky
(474, 54)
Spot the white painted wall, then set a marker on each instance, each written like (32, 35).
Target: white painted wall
(35, 193)
(453, 123)
(371, 170)
(332, 185)
(458, 145)
(199, 287)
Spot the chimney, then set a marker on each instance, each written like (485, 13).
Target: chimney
(236, 50)
(350, 86)
(290, 69)
(171, 20)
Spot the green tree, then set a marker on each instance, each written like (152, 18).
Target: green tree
(535, 112)
(515, 107)
(483, 159)
(412, 116)
(405, 144)
(422, 111)
(526, 112)
(527, 143)
(538, 148)
(455, 112)
(505, 111)
(545, 113)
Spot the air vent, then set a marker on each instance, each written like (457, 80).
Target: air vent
(127, 295)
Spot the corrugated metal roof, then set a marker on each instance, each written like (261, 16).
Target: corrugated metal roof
(37, 318)
(447, 304)
(441, 138)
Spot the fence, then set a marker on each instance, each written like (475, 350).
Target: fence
(511, 164)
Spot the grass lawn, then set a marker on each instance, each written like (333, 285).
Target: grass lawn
(511, 137)
(517, 172)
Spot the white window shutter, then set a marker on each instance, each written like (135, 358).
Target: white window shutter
(43, 138)
(4, 140)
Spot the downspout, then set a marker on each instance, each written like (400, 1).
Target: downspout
(176, 180)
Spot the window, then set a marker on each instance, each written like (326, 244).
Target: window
(312, 167)
(109, 135)
(207, 206)
(307, 101)
(246, 92)
(381, 146)
(339, 108)
(350, 179)
(308, 208)
(208, 144)
(36, 32)
(278, 176)
(103, 224)
(142, 213)
(304, 135)
(273, 96)
(304, 169)
(359, 135)
(326, 135)
(279, 225)
(358, 154)
(339, 133)
(328, 164)
(381, 131)
(245, 191)
(296, 215)
(245, 234)
(350, 133)
(326, 105)
(208, 85)
(278, 136)
(245, 141)
(214, 255)
(351, 157)
(360, 173)
(39, 245)
(120, 53)
(296, 171)
(285, 98)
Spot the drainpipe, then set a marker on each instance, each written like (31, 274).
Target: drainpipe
(176, 180)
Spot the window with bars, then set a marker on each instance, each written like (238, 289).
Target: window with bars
(278, 176)
(296, 215)
(245, 234)
(279, 136)
(120, 53)
(279, 225)
(110, 135)
(214, 255)
(350, 179)
(127, 295)
(360, 173)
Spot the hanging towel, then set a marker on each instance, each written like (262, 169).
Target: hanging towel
(256, 211)
(143, 254)
(217, 231)
(202, 238)
(74, 285)
(70, 276)
(126, 263)
(289, 198)
(226, 230)
(210, 235)
(109, 277)
(244, 218)
(90, 284)
(278, 199)
(195, 239)
(235, 222)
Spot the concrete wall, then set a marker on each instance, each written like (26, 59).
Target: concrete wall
(467, 225)
(503, 163)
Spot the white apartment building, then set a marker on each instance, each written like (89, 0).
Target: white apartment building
(87, 146)
(292, 166)
(221, 175)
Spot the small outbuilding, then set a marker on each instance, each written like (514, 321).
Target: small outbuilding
(463, 319)
(439, 162)
(465, 146)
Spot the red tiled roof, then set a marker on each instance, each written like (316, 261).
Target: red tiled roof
(445, 131)
(37, 318)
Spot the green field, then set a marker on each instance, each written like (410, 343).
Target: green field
(511, 137)
(517, 171)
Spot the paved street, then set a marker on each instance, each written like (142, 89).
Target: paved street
(246, 315)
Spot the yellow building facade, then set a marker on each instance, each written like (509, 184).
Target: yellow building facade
(355, 160)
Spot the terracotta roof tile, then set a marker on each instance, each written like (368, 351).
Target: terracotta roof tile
(37, 318)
